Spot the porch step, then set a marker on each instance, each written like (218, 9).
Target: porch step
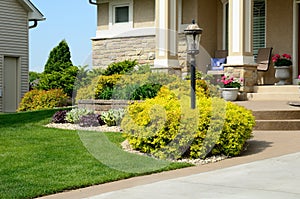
(274, 115)
(282, 120)
(275, 93)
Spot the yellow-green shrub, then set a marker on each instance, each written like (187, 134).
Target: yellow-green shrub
(166, 127)
(40, 99)
(97, 87)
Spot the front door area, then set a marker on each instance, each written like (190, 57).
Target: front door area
(11, 88)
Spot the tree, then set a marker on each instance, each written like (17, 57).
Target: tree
(59, 71)
(59, 58)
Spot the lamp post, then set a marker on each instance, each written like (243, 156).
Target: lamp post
(193, 36)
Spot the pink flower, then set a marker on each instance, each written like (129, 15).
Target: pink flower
(287, 56)
(299, 77)
(274, 59)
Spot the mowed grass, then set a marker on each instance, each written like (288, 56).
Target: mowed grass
(37, 161)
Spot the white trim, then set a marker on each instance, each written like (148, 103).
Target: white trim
(131, 32)
(173, 26)
(165, 63)
(248, 26)
(179, 14)
(33, 12)
(161, 33)
(240, 60)
(235, 27)
(120, 26)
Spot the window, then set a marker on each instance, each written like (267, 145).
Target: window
(121, 14)
(259, 25)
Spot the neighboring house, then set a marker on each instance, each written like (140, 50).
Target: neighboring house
(15, 16)
(136, 29)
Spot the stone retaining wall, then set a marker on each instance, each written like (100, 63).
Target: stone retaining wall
(103, 105)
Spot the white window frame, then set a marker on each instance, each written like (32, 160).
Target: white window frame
(125, 25)
(114, 13)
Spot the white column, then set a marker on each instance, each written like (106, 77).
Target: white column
(166, 35)
(240, 33)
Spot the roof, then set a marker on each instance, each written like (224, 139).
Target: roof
(33, 12)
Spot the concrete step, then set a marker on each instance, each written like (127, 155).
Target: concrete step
(286, 120)
(277, 125)
(275, 93)
(274, 115)
(277, 115)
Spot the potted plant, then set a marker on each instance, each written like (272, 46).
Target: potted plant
(282, 64)
(230, 87)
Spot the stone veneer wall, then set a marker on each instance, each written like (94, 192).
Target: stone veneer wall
(248, 73)
(141, 48)
(107, 51)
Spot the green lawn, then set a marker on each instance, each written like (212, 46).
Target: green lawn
(36, 161)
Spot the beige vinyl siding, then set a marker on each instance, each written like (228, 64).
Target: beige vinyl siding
(1, 82)
(14, 41)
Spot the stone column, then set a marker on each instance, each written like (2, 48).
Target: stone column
(166, 54)
(240, 60)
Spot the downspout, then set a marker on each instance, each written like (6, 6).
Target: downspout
(92, 2)
(35, 23)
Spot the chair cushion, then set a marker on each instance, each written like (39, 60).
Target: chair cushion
(217, 63)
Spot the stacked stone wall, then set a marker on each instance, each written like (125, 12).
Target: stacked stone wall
(107, 51)
(142, 48)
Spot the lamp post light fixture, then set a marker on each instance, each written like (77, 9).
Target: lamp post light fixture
(193, 36)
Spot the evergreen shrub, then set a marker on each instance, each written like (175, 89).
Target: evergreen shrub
(167, 128)
(40, 99)
(120, 67)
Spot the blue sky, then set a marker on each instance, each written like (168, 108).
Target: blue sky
(72, 20)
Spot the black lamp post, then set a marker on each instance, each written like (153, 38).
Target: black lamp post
(193, 36)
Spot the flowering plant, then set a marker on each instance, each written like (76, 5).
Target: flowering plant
(231, 82)
(299, 80)
(282, 60)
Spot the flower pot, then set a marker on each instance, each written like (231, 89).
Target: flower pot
(282, 73)
(230, 94)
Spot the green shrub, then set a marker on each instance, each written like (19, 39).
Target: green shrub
(75, 114)
(63, 79)
(113, 117)
(131, 86)
(105, 86)
(166, 127)
(120, 67)
(40, 99)
(87, 92)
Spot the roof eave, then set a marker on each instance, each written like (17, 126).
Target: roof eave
(33, 13)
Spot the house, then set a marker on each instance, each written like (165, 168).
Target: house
(16, 18)
(151, 31)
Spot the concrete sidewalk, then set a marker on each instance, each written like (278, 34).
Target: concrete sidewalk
(255, 171)
(275, 178)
